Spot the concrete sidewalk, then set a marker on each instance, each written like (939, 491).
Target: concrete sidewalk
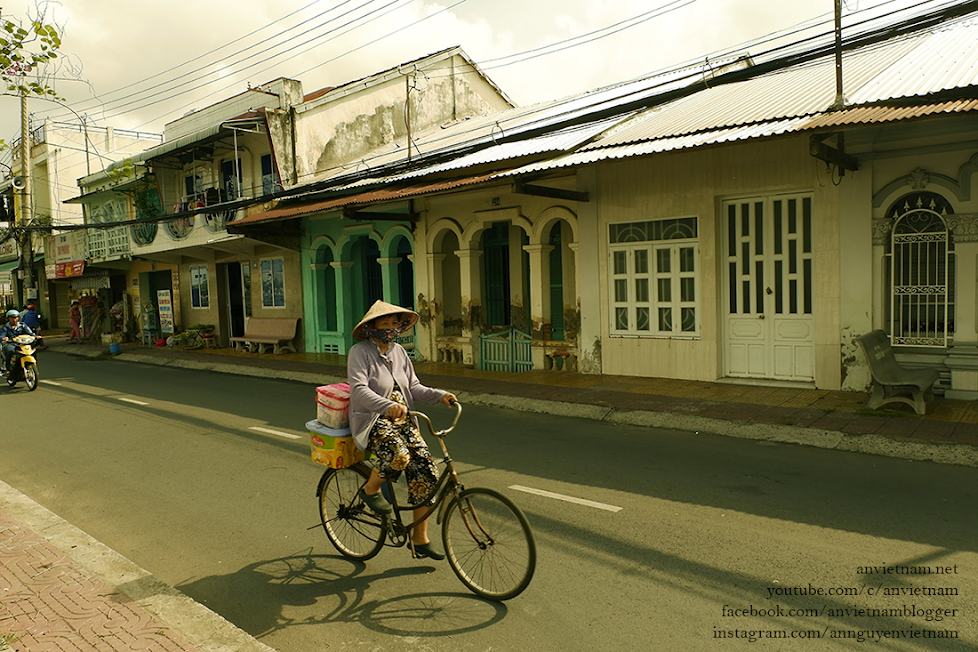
(947, 434)
(61, 590)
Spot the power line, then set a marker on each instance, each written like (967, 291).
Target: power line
(183, 82)
(596, 34)
(566, 44)
(865, 39)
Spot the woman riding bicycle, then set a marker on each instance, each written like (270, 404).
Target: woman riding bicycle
(383, 387)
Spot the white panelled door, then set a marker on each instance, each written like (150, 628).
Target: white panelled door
(768, 278)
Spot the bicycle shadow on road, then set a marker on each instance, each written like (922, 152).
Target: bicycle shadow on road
(314, 589)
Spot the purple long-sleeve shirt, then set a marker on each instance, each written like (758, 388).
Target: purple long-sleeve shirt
(372, 378)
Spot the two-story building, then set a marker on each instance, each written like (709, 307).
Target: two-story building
(218, 164)
(60, 154)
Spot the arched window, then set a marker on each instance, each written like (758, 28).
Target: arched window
(921, 271)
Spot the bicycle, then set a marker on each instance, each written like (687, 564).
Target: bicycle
(487, 538)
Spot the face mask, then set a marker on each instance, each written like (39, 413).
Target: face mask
(384, 335)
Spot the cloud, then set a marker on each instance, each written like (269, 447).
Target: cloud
(121, 44)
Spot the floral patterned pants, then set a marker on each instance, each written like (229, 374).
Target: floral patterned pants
(398, 446)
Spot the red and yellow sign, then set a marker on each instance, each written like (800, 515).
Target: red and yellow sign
(69, 270)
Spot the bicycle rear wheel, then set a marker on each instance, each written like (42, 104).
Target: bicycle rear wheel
(350, 526)
(489, 544)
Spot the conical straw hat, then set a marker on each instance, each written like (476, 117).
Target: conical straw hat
(379, 309)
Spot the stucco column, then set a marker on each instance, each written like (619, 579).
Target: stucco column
(962, 358)
(592, 263)
(881, 234)
(539, 299)
(470, 276)
(345, 319)
(434, 291)
(388, 276)
(313, 309)
(430, 291)
(857, 283)
(539, 286)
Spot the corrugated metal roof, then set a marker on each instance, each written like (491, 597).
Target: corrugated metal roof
(906, 67)
(854, 116)
(561, 141)
(491, 127)
(871, 114)
(723, 135)
(806, 90)
(792, 100)
(943, 60)
(368, 197)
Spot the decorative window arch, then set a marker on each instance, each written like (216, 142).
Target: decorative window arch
(920, 258)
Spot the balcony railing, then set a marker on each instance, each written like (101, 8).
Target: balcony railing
(108, 244)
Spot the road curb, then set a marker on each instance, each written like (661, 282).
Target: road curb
(941, 453)
(207, 630)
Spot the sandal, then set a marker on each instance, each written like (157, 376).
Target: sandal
(422, 550)
(376, 502)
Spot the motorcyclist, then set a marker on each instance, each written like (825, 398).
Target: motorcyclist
(8, 332)
(30, 318)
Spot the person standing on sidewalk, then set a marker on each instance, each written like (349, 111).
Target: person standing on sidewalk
(383, 387)
(74, 318)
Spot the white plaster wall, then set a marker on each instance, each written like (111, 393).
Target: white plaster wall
(694, 183)
(341, 126)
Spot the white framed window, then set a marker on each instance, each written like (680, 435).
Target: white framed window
(199, 295)
(273, 283)
(655, 278)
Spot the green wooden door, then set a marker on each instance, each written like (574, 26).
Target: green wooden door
(495, 254)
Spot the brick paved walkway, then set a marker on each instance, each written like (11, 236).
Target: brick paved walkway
(50, 603)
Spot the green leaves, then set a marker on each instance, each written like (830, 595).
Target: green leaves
(25, 51)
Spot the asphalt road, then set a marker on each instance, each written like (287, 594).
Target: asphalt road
(194, 476)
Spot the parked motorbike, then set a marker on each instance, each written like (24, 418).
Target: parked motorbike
(23, 364)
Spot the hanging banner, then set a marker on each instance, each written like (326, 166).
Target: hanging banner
(165, 304)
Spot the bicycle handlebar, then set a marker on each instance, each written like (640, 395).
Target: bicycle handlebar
(431, 428)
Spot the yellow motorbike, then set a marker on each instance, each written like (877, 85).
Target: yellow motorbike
(23, 364)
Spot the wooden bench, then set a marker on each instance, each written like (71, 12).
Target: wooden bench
(261, 332)
(891, 382)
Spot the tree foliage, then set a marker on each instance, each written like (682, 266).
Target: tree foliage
(26, 50)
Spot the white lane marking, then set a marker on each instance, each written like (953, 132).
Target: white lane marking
(569, 499)
(133, 401)
(275, 432)
(50, 382)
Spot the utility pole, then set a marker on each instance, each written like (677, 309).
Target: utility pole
(840, 100)
(26, 198)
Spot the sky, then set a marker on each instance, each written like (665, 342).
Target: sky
(135, 64)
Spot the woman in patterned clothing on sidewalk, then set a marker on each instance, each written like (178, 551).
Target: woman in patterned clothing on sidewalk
(383, 387)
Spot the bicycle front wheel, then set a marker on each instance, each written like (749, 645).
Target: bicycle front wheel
(350, 526)
(489, 544)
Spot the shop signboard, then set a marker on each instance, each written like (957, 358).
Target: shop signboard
(68, 270)
(165, 304)
(66, 247)
(66, 254)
